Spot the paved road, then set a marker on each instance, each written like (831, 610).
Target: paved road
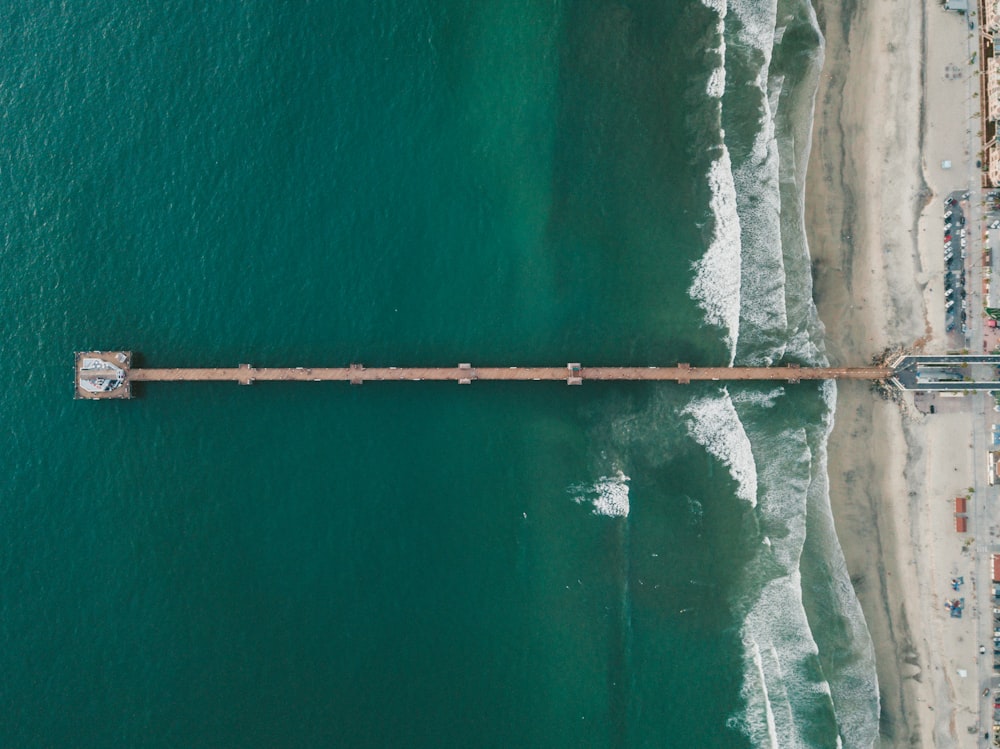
(951, 359)
(956, 387)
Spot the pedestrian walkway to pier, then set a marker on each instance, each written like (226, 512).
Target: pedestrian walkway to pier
(948, 373)
(103, 374)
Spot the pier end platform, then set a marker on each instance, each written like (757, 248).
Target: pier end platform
(102, 375)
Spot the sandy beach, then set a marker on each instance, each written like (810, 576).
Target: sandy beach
(889, 111)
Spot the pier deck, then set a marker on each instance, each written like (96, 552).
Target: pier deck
(455, 374)
(114, 374)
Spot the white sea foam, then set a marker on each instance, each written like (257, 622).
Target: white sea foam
(716, 285)
(803, 346)
(758, 398)
(768, 726)
(778, 678)
(717, 82)
(774, 85)
(714, 423)
(763, 315)
(719, 6)
(757, 23)
(780, 689)
(778, 313)
(606, 496)
(779, 650)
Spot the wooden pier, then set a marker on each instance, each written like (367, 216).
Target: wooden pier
(117, 376)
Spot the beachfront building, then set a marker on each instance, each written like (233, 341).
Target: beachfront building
(989, 90)
(991, 114)
(991, 16)
(993, 88)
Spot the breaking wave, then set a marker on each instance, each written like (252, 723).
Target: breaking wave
(717, 280)
(714, 424)
(716, 285)
(716, 83)
(779, 685)
(607, 496)
(786, 691)
(719, 6)
(763, 313)
(755, 282)
(717, 80)
(759, 722)
(758, 398)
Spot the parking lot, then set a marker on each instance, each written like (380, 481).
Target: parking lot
(991, 220)
(955, 244)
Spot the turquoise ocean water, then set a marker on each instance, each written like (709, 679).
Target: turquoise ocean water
(418, 565)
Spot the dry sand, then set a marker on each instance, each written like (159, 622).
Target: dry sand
(886, 116)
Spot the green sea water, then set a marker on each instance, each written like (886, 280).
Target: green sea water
(419, 565)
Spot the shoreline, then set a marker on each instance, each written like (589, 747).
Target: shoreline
(865, 309)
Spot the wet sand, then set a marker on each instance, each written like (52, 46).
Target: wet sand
(865, 192)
